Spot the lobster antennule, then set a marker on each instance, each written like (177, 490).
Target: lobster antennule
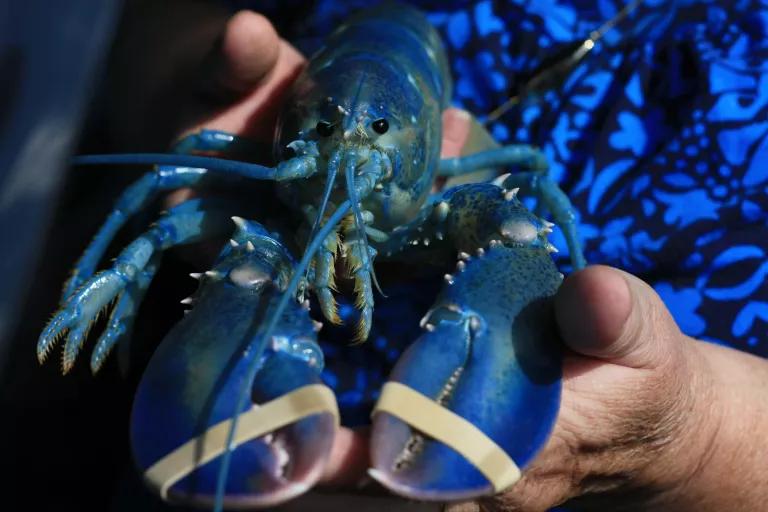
(333, 169)
(290, 291)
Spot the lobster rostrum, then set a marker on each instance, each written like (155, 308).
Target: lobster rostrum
(231, 408)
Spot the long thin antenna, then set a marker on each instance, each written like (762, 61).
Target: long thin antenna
(563, 66)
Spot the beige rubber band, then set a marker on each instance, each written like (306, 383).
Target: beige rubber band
(434, 420)
(258, 421)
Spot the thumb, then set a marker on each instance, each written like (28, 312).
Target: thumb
(247, 52)
(608, 314)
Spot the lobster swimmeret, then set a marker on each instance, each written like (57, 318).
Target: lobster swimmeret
(470, 402)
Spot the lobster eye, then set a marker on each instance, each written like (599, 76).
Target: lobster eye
(288, 152)
(324, 128)
(380, 126)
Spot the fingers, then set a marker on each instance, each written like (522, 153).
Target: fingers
(249, 51)
(349, 459)
(253, 72)
(255, 114)
(455, 132)
(611, 315)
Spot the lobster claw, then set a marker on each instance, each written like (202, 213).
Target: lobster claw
(183, 410)
(473, 400)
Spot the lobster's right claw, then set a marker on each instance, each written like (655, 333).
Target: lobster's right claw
(475, 397)
(182, 413)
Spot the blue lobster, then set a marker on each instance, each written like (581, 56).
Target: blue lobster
(231, 408)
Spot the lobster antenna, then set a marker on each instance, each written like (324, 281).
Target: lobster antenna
(333, 169)
(247, 170)
(349, 175)
(288, 295)
(544, 78)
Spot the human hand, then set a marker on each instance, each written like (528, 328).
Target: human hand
(211, 70)
(650, 419)
(252, 71)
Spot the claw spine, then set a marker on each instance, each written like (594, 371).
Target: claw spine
(239, 221)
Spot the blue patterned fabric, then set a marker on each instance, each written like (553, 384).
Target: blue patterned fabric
(660, 138)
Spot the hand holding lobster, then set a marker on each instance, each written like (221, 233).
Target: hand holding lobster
(643, 406)
(641, 403)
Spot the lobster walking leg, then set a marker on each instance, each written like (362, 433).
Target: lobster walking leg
(359, 260)
(122, 316)
(136, 197)
(172, 172)
(186, 223)
(324, 281)
(529, 157)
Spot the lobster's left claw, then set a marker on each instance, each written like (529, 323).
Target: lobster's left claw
(474, 399)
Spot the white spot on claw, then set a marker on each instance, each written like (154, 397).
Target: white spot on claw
(248, 276)
(520, 231)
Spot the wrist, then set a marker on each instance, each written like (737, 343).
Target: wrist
(717, 462)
